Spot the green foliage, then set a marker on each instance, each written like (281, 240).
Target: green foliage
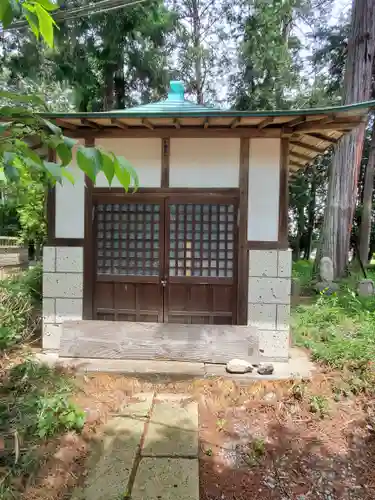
(255, 452)
(18, 297)
(303, 271)
(319, 405)
(35, 404)
(338, 329)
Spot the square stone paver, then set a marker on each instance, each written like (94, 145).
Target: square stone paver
(111, 460)
(166, 479)
(173, 427)
(139, 405)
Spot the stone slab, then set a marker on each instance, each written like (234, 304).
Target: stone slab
(173, 427)
(158, 341)
(139, 406)
(111, 462)
(166, 479)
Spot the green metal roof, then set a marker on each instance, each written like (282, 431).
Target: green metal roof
(174, 104)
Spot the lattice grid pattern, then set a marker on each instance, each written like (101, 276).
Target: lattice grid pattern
(128, 239)
(201, 240)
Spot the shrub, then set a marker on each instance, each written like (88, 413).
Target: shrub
(303, 272)
(18, 298)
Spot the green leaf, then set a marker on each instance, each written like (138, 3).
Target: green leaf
(52, 127)
(31, 155)
(10, 171)
(107, 166)
(5, 126)
(65, 154)
(6, 13)
(54, 170)
(69, 141)
(29, 99)
(47, 5)
(32, 20)
(125, 164)
(46, 24)
(89, 161)
(68, 175)
(121, 172)
(16, 112)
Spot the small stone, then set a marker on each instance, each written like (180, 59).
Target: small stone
(365, 288)
(265, 369)
(270, 397)
(239, 366)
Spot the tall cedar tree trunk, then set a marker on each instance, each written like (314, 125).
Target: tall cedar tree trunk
(197, 50)
(335, 237)
(310, 218)
(365, 229)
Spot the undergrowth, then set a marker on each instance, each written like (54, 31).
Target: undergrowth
(19, 297)
(34, 405)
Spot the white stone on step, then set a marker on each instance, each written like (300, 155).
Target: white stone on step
(365, 288)
(239, 366)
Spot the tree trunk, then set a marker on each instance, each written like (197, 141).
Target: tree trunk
(197, 51)
(335, 237)
(365, 229)
(311, 217)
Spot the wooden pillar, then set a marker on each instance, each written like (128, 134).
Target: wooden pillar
(284, 194)
(165, 155)
(243, 261)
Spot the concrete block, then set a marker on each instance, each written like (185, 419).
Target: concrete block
(49, 259)
(167, 479)
(263, 263)
(69, 285)
(269, 290)
(51, 336)
(284, 267)
(173, 428)
(283, 317)
(69, 259)
(49, 311)
(274, 345)
(262, 316)
(68, 309)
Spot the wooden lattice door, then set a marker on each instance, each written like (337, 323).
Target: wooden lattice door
(169, 259)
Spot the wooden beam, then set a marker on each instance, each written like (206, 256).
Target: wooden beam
(296, 160)
(206, 123)
(307, 146)
(296, 121)
(294, 164)
(300, 156)
(63, 124)
(265, 122)
(119, 123)
(90, 123)
(323, 125)
(147, 123)
(235, 122)
(183, 132)
(165, 155)
(243, 209)
(323, 137)
(284, 193)
(176, 123)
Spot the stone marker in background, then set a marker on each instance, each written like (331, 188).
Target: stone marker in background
(239, 366)
(266, 369)
(326, 285)
(365, 288)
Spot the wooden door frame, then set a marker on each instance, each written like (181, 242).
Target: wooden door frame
(111, 195)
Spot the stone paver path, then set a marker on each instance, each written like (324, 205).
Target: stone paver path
(149, 451)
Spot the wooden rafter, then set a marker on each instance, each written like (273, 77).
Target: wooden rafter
(147, 123)
(296, 165)
(176, 123)
(307, 146)
(300, 156)
(296, 121)
(267, 121)
(65, 124)
(297, 160)
(323, 137)
(90, 123)
(235, 122)
(118, 123)
(333, 125)
(206, 123)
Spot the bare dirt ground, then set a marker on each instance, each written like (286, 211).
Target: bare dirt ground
(261, 441)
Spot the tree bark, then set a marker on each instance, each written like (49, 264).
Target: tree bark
(335, 237)
(311, 217)
(197, 50)
(365, 229)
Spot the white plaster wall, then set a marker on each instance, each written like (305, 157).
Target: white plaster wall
(264, 181)
(70, 204)
(143, 154)
(204, 163)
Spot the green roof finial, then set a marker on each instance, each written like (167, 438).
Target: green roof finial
(176, 91)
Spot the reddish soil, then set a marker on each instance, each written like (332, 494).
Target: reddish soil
(257, 442)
